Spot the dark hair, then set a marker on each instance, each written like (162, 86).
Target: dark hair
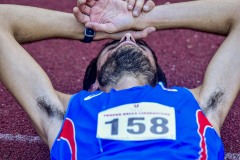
(91, 71)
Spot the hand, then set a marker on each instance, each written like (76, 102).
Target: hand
(139, 6)
(109, 16)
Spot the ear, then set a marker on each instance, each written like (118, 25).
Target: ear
(94, 87)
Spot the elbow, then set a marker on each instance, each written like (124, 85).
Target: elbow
(234, 20)
(5, 19)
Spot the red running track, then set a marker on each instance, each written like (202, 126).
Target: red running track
(183, 54)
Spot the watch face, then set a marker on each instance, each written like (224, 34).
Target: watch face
(89, 32)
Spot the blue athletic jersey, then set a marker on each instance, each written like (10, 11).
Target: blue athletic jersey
(136, 124)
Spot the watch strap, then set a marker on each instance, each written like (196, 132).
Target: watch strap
(88, 35)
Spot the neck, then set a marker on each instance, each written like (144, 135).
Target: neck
(125, 83)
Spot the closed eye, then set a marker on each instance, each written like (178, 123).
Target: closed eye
(141, 46)
(113, 46)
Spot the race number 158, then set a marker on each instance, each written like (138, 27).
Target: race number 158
(137, 125)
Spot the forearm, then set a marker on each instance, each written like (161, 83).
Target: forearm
(31, 24)
(210, 16)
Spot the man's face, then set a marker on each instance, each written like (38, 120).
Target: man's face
(125, 58)
(115, 45)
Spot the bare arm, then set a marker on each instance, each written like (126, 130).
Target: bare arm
(221, 81)
(23, 77)
(30, 24)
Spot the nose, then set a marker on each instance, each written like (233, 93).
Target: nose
(128, 37)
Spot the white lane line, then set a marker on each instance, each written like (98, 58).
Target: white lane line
(20, 138)
(232, 156)
(37, 139)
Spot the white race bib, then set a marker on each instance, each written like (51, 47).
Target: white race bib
(137, 122)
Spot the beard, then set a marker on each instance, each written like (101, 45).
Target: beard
(126, 61)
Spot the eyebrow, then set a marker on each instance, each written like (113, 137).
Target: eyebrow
(110, 43)
(141, 42)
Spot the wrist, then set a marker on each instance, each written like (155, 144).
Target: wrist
(157, 17)
(101, 36)
(142, 21)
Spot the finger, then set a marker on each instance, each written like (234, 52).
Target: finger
(80, 17)
(131, 4)
(148, 6)
(143, 34)
(107, 27)
(81, 1)
(138, 8)
(85, 9)
(90, 3)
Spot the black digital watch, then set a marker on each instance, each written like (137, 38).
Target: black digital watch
(88, 35)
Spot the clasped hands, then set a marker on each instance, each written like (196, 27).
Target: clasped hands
(113, 18)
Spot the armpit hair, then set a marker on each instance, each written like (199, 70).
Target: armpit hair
(50, 109)
(213, 102)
